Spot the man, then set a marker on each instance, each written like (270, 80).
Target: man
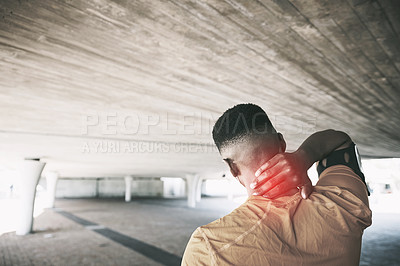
(278, 225)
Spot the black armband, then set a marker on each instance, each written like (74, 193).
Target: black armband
(348, 157)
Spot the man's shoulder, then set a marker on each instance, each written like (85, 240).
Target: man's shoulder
(227, 228)
(198, 250)
(206, 240)
(344, 177)
(209, 240)
(222, 224)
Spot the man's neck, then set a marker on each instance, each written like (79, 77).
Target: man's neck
(287, 193)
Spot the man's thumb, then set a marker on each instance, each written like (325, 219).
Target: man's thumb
(306, 189)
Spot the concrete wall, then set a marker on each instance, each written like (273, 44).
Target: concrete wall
(79, 188)
(111, 187)
(115, 187)
(147, 188)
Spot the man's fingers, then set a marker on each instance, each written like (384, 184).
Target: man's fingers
(266, 175)
(274, 160)
(269, 184)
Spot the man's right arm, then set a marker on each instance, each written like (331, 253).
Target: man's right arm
(317, 146)
(271, 180)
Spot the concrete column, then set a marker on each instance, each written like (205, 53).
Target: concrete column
(191, 188)
(29, 173)
(128, 188)
(51, 181)
(198, 189)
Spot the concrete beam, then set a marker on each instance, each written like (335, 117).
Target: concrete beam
(311, 64)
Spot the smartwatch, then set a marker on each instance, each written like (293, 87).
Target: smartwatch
(349, 157)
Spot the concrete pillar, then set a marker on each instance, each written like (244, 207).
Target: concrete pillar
(29, 173)
(51, 181)
(192, 182)
(198, 189)
(128, 188)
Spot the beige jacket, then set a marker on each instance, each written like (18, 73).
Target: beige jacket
(325, 229)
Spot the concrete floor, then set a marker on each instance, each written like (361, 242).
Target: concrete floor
(164, 225)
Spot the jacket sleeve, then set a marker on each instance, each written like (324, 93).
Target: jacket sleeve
(350, 196)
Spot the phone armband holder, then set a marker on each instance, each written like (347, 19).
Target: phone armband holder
(348, 157)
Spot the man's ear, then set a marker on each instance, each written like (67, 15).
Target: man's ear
(282, 143)
(232, 167)
(234, 170)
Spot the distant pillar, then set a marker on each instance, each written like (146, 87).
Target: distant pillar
(128, 188)
(30, 171)
(191, 186)
(198, 189)
(51, 180)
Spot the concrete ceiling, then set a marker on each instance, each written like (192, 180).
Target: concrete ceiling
(109, 88)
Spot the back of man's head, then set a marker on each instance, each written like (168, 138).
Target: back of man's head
(241, 121)
(246, 138)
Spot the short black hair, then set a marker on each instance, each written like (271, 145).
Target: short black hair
(239, 121)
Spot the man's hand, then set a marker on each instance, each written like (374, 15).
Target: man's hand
(283, 172)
